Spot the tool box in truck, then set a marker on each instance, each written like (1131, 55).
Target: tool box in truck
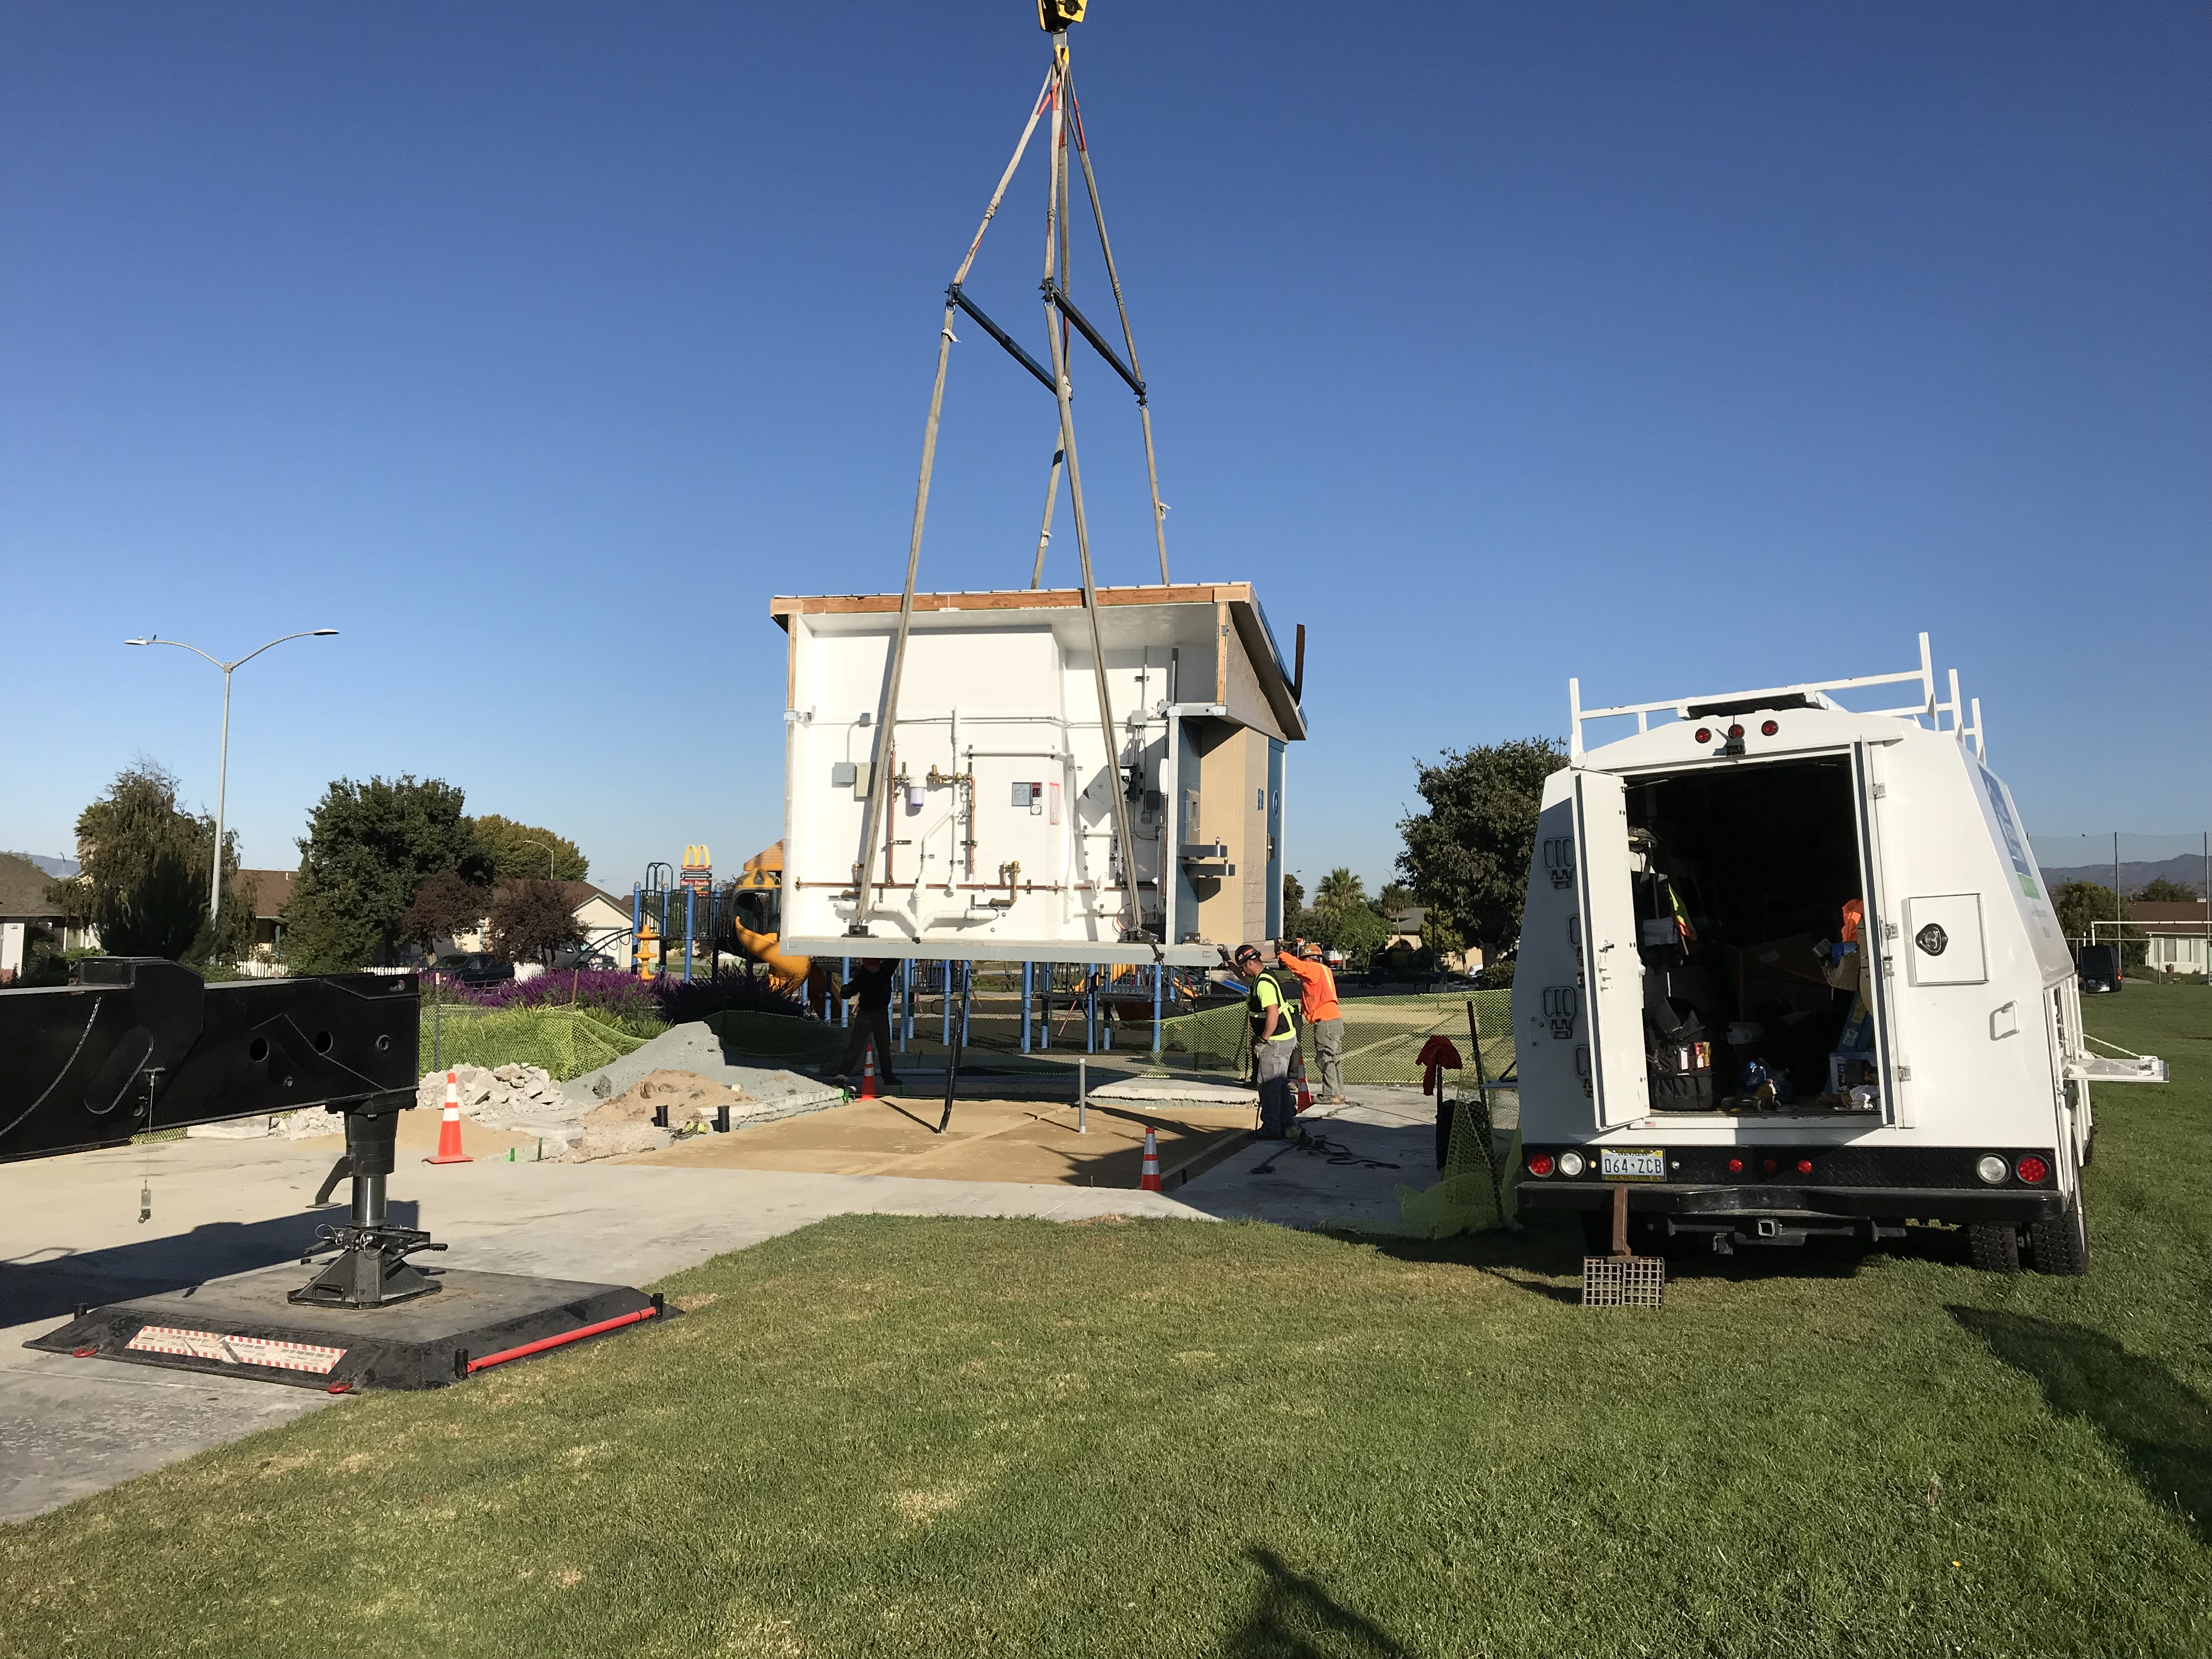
(1788, 971)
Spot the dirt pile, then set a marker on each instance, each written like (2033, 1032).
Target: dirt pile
(625, 1123)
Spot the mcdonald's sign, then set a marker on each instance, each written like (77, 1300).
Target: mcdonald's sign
(698, 875)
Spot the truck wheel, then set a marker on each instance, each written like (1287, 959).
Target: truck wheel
(1996, 1249)
(2060, 1246)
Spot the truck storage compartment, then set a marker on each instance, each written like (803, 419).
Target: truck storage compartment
(1748, 892)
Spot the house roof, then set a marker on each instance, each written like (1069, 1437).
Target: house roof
(581, 893)
(23, 888)
(2168, 915)
(272, 890)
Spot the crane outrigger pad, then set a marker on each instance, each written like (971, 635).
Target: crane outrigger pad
(247, 1326)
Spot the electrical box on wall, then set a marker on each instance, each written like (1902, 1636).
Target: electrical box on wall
(998, 840)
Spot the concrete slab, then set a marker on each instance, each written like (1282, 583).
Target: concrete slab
(1177, 1092)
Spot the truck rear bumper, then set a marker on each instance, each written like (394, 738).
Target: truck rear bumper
(1963, 1206)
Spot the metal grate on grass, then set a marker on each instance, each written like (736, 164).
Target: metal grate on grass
(1623, 1281)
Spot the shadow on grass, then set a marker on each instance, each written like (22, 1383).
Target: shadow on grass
(1295, 1617)
(2157, 1421)
(1550, 1246)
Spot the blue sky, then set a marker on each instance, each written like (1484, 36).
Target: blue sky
(534, 347)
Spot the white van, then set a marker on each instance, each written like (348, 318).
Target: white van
(1788, 970)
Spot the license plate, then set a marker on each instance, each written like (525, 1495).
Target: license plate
(1622, 1166)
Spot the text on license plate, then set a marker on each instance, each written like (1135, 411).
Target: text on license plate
(1615, 1164)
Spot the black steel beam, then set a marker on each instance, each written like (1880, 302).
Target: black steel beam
(1054, 293)
(960, 299)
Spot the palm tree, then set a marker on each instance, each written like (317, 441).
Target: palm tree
(1340, 891)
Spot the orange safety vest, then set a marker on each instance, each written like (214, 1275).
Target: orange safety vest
(1319, 1001)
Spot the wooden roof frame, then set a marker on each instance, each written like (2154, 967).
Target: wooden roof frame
(1242, 607)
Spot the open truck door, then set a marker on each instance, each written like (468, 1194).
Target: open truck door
(1613, 968)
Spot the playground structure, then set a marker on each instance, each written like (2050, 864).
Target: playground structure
(652, 902)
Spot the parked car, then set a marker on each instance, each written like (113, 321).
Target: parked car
(2098, 966)
(477, 968)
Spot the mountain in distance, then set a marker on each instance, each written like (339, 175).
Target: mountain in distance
(51, 866)
(2136, 874)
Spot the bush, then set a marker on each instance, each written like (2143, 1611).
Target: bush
(680, 1004)
(611, 992)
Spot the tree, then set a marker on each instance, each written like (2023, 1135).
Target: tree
(1340, 895)
(1395, 897)
(531, 920)
(1359, 932)
(368, 850)
(2159, 890)
(2082, 902)
(1469, 852)
(519, 849)
(443, 907)
(144, 879)
(1299, 922)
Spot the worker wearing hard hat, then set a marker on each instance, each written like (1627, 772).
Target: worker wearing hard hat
(1273, 1010)
(1318, 1006)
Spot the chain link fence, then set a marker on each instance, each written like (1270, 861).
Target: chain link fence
(1070, 1011)
(1382, 1036)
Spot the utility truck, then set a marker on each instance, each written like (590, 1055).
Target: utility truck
(1788, 970)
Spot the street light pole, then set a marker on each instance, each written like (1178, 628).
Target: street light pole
(548, 857)
(222, 767)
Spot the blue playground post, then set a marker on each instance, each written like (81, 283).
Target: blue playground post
(1044, 1029)
(660, 969)
(1159, 978)
(1028, 974)
(636, 926)
(967, 998)
(714, 936)
(948, 1005)
(844, 1008)
(691, 921)
(906, 1002)
(1090, 1010)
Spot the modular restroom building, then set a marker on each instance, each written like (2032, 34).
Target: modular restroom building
(999, 840)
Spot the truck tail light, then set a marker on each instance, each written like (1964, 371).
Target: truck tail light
(1571, 1164)
(1991, 1169)
(1540, 1165)
(1704, 734)
(2034, 1171)
(1804, 1166)
(1735, 1166)
(1770, 1166)
(1768, 728)
(1735, 731)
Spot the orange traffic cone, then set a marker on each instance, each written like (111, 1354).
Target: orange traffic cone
(868, 1076)
(449, 1127)
(1149, 1181)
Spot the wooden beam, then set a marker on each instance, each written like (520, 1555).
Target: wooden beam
(783, 606)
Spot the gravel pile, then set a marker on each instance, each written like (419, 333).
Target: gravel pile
(500, 1097)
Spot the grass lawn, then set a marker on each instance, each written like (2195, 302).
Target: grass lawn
(887, 1436)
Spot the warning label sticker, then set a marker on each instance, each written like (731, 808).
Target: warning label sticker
(236, 1350)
